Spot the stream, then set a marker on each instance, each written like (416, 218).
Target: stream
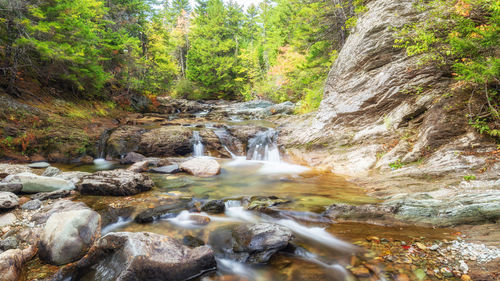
(256, 188)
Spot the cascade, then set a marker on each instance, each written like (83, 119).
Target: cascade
(101, 145)
(198, 149)
(225, 139)
(263, 147)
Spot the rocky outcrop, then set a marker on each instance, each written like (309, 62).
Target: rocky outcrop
(67, 236)
(114, 183)
(123, 140)
(166, 141)
(201, 167)
(142, 256)
(250, 243)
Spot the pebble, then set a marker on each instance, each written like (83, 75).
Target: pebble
(32, 205)
(463, 267)
(434, 247)
(479, 252)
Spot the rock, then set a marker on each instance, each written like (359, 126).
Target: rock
(250, 243)
(73, 177)
(123, 140)
(143, 256)
(11, 187)
(464, 268)
(51, 171)
(87, 159)
(52, 195)
(34, 184)
(8, 243)
(170, 169)
(368, 212)
(32, 205)
(199, 219)
(263, 202)
(58, 206)
(192, 241)
(114, 183)
(7, 219)
(10, 169)
(166, 141)
(132, 157)
(23, 199)
(39, 165)
(167, 210)
(139, 167)
(8, 200)
(214, 207)
(201, 167)
(11, 262)
(67, 236)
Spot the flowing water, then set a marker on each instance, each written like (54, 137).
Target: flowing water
(322, 249)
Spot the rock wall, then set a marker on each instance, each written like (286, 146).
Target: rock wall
(382, 111)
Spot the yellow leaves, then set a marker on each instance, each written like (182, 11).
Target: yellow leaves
(462, 8)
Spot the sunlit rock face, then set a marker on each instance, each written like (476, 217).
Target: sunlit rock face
(381, 106)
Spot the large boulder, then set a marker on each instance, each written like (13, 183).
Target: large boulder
(114, 183)
(250, 243)
(124, 256)
(11, 262)
(166, 141)
(201, 167)
(33, 183)
(123, 140)
(8, 200)
(58, 206)
(67, 236)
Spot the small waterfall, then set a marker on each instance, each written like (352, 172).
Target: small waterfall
(226, 139)
(263, 147)
(198, 149)
(101, 144)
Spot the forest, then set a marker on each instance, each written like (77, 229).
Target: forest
(280, 50)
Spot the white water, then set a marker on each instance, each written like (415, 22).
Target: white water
(236, 268)
(263, 147)
(102, 164)
(116, 225)
(317, 234)
(198, 149)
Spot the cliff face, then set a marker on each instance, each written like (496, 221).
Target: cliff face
(382, 111)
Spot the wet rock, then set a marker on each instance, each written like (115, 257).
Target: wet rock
(11, 262)
(59, 206)
(192, 241)
(8, 200)
(7, 219)
(8, 243)
(114, 183)
(11, 187)
(245, 132)
(214, 207)
(11, 169)
(123, 140)
(32, 205)
(167, 210)
(198, 219)
(250, 243)
(52, 195)
(261, 202)
(39, 165)
(51, 171)
(139, 167)
(143, 256)
(170, 169)
(132, 157)
(201, 167)
(368, 212)
(33, 183)
(166, 141)
(67, 236)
